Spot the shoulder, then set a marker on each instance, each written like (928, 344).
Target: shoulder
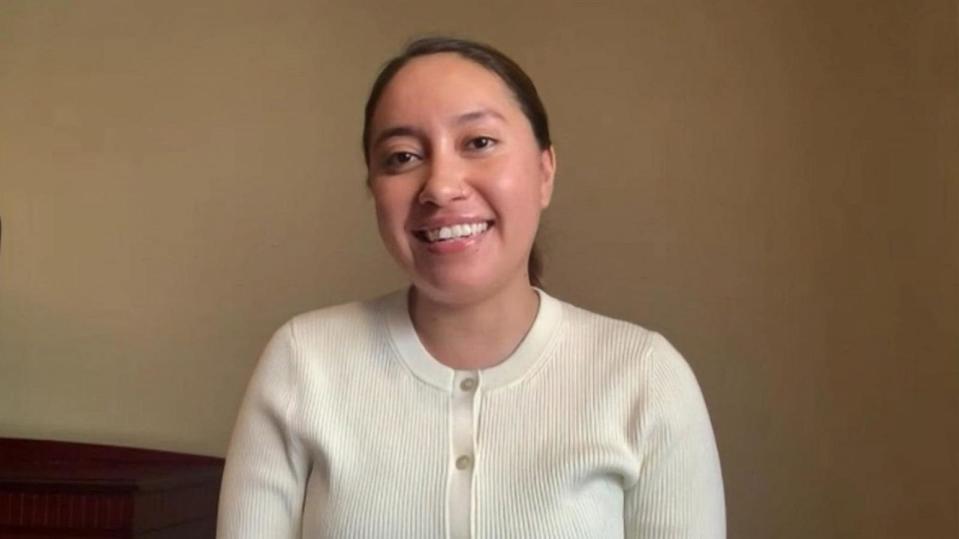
(636, 358)
(341, 316)
(334, 331)
(615, 338)
(319, 351)
(337, 323)
(605, 333)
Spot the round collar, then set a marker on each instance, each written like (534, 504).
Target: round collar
(429, 369)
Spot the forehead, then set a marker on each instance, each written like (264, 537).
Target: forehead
(440, 86)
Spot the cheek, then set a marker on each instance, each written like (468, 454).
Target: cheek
(392, 212)
(518, 190)
(385, 213)
(386, 200)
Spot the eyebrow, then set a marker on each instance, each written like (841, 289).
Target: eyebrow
(409, 131)
(397, 131)
(478, 115)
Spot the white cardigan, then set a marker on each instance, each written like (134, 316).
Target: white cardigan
(593, 427)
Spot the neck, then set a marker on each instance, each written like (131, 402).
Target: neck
(475, 335)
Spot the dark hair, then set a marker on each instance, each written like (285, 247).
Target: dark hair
(495, 61)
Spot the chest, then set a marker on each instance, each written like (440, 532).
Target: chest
(470, 464)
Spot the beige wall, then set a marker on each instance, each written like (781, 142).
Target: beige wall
(771, 184)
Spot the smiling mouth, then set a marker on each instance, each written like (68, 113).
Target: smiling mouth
(453, 232)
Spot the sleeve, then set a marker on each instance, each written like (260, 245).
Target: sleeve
(266, 467)
(679, 490)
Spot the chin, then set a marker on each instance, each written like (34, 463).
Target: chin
(459, 288)
(453, 289)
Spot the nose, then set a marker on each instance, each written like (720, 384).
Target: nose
(445, 180)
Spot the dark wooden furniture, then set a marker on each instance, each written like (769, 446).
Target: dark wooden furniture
(60, 489)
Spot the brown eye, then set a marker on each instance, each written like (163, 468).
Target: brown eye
(399, 159)
(481, 143)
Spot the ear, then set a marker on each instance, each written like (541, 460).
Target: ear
(548, 168)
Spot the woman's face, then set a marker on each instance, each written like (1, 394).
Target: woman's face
(458, 178)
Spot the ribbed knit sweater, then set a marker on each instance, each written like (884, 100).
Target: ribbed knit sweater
(593, 427)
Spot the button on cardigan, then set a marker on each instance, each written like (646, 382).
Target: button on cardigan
(593, 427)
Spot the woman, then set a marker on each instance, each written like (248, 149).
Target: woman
(472, 404)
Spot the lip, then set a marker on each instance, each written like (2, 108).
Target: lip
(458, 245)
(451, 246)
(440, 221)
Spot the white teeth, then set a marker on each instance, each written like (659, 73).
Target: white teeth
(455, 231)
